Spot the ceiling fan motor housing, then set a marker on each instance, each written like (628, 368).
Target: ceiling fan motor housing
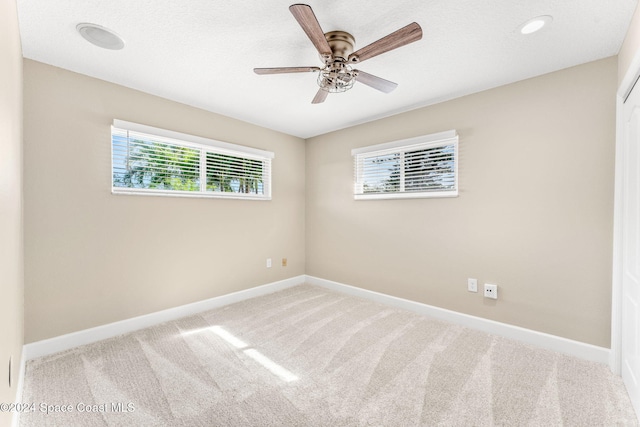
(341, 44)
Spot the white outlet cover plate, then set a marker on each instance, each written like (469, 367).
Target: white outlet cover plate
(490, 291)
(472, 285)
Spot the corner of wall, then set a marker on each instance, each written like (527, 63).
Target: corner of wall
(11, 215)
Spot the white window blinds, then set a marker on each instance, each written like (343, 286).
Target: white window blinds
(425, 166)
(148, 160)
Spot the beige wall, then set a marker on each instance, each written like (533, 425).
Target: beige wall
(630, 46)
(534, 213)
(92, 257)
(11, 249)
(543, 235)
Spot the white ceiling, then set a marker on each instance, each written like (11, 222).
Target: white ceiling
(202, 52)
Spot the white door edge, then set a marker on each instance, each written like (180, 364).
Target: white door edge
(624, 89)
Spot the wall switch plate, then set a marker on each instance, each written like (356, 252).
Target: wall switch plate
(268, 262)
(490, 291)
(472, 285)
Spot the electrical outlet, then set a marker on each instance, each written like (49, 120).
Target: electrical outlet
(490, 291)
(472, 285)
(268, 262)
(284, 262)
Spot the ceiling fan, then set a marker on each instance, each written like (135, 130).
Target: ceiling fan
(336, 52)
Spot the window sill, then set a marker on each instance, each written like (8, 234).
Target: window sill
(165, 193)
(421, 195)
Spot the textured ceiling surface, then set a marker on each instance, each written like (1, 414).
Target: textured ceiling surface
(202, 52)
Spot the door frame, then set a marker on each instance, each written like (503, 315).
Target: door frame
(624, 89)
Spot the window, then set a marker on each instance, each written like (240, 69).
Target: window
(426, 166)
(147, 160)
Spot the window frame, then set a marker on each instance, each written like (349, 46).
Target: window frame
(205, 145)
(400, 147)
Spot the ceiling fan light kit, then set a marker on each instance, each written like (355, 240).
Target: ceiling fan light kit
(337, 77)
(336, 50)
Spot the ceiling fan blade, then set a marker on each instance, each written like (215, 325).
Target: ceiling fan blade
(282, 70)
(375, 82)
(320, 96)
(309, 23)
(405, 35)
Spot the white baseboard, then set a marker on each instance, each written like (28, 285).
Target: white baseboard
(15, 421)
(87, 336)
(540, 339)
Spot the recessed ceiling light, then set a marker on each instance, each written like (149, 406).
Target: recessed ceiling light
(100, 36)
(535, 24)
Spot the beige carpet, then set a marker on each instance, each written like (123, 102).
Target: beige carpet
(306, 356)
